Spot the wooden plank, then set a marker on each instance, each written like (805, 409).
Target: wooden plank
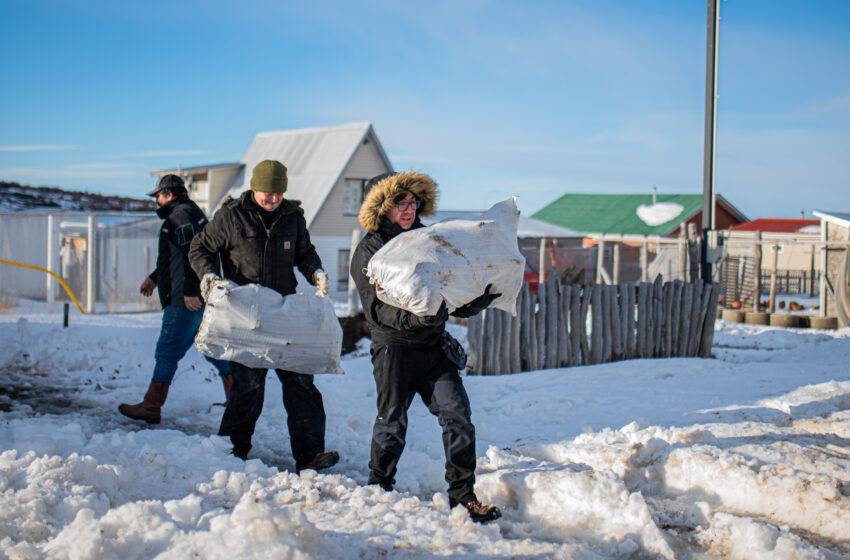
(473, 327)
(563, 327)
(540, 324)
(575, 325)
(608, 325)
(685, 318)
(616, 330)
(524, 329)
(650, 321)
(667, 328)
(505, 343)
(514, 352)
(586, 292)
(553, 304)
(710, 317)
(658, 305)
(696, 305)
(631, 335)
(703, 309)
(642, 320)
(596, 324)
(532, 321)
(676, 317)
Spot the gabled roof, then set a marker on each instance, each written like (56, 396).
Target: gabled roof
(196, 168)
(527, 227)
(840, 218)
(315, 159)
(627, 213)
(779, 225)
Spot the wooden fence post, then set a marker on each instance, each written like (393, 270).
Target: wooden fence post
(552, 306)
(516, 367)
(596, 324)
(586, 292)
(575, 325)
(685, 318)
(658, 306)
(631, 341)
(563, 326)
(708, 327)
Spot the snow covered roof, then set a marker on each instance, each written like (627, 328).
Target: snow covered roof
(315, 159)
(639, 214)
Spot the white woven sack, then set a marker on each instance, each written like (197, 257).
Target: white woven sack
(452, 261)
(257, 327)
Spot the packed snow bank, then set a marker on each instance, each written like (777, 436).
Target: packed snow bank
(739, 457)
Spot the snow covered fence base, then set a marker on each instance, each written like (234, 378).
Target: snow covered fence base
(644, 320)
(257, 327)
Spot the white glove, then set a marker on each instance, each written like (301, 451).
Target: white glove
(207, 283)
(321, 280)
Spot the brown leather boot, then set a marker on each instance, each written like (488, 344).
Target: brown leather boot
(149, 409)
(227, 382)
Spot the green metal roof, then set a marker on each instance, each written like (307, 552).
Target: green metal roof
(616, 213)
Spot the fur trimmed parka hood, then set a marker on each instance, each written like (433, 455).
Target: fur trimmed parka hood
(381, 198)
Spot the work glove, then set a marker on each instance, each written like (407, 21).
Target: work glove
(321, 281)
(207, 283)
(477, 305)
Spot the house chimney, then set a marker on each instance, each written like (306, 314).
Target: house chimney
(802, 214)
(654, 193)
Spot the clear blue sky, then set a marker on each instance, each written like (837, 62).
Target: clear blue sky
(491, 98)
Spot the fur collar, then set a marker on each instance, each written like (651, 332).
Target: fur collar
(380, 199)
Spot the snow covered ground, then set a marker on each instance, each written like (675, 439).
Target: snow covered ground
(742, 456)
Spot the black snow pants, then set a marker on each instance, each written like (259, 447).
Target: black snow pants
(302, 400)
(401, 372)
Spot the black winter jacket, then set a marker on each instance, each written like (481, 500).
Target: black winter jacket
(175, 279)
(388, 324)
(253, 253)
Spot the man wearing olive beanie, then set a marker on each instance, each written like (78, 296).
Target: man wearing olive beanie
(260, 238)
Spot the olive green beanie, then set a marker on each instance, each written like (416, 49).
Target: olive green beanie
(269, 176)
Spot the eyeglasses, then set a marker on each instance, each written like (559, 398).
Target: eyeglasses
(402, 206)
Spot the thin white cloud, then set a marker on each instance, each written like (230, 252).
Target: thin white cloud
(37, 148)
(165, 153)
(104, 166)
(41, 174)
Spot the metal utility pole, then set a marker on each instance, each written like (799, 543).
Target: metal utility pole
(708, 191)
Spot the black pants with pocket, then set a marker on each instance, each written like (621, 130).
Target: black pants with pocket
(400, 373)
(302, 400)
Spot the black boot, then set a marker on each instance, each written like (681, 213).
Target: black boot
(478, 512)
(241, 447)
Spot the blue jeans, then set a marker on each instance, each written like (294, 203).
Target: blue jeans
(179, 327)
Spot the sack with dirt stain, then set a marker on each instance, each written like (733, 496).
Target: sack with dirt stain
(452, 261)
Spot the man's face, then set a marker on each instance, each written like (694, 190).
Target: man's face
(164, 198)
(403, 212)
(268, 201)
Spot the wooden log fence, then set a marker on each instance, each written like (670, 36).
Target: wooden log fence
(571, 325)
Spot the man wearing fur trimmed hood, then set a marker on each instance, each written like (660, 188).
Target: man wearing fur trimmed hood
(407, 355)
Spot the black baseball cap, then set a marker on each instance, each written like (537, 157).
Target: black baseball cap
(170, 182)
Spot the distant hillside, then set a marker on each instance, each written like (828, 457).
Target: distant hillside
(15, 197)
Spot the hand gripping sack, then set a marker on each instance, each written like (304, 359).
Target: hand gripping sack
(257, 327)
(452, 261)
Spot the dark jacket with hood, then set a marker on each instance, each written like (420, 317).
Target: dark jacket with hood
(257, 246)
(388, 324)
(175, 279)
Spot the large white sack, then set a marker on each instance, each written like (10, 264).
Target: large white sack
(452, 261)
(257, 327)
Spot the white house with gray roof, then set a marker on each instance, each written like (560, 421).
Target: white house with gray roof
(327, 168)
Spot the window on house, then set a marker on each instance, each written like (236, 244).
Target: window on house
(342, 270)
(352, 196)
